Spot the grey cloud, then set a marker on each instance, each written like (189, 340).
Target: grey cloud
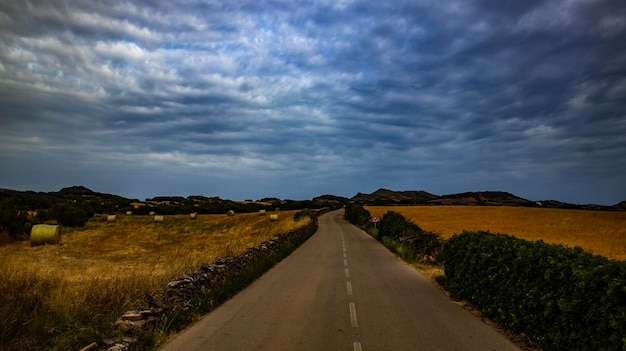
(464, 92)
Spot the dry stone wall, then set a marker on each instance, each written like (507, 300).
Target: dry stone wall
(205, 283)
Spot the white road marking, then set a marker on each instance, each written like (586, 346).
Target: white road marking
(353, 319)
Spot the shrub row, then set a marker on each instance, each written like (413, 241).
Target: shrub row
(356, 214)
(559, 298)
(421, 244)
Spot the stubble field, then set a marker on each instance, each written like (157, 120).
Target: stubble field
(598, 232)
(57, 296)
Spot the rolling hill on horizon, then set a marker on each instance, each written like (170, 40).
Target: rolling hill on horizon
(382, 197)
(386, 197)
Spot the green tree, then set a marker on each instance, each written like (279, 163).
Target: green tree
(69, 215)
(13, 220)
(356, 214)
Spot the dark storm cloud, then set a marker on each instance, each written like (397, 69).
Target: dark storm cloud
(244, 98)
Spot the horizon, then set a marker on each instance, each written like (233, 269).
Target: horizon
(311, 198)
(296, 99)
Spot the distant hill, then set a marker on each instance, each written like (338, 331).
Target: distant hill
(389, 197)
(332, 198)
(79, 196)
(565, 205)
(483, 198)
(386, 197)
(94, 202)
(77, 190)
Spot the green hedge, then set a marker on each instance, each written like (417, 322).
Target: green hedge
(422, 245)
(559, 298)
(356, 214)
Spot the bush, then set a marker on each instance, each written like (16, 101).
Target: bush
(423, 245)
(306, 212)
(13, 221)
(69, 215)
(395, 226)
(356, 214)
(560, 298)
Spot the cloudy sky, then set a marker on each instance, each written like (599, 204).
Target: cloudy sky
(295, 99)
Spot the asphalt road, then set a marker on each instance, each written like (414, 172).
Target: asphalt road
(341, 290)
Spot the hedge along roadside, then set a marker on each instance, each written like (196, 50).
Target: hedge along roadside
(401, 236)
(408, 239)
(356, 215)
(557, 297)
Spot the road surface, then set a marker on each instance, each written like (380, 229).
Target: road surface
(341, 290)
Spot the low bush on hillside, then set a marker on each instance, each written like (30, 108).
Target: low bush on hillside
(560, 298)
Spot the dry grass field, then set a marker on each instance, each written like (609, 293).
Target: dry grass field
(53, 295)
(598, 232)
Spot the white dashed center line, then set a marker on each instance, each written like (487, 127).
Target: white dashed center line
(353, 319)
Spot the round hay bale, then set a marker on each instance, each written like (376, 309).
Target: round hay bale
(129, 213)
(45, 234)
(111, 218)
(277, 209)
(230, 213)
(273, 217)
(159, 219)
(152, 213)
(193, 215)
(262, 212)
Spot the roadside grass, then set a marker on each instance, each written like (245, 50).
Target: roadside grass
(598, 232)
(66, 296)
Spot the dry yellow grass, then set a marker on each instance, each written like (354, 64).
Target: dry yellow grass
(135, 246)
(598, 232)
(103, 269)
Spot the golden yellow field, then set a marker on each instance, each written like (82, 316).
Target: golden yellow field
(134, 245)
(598, 232)
(52, 294)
